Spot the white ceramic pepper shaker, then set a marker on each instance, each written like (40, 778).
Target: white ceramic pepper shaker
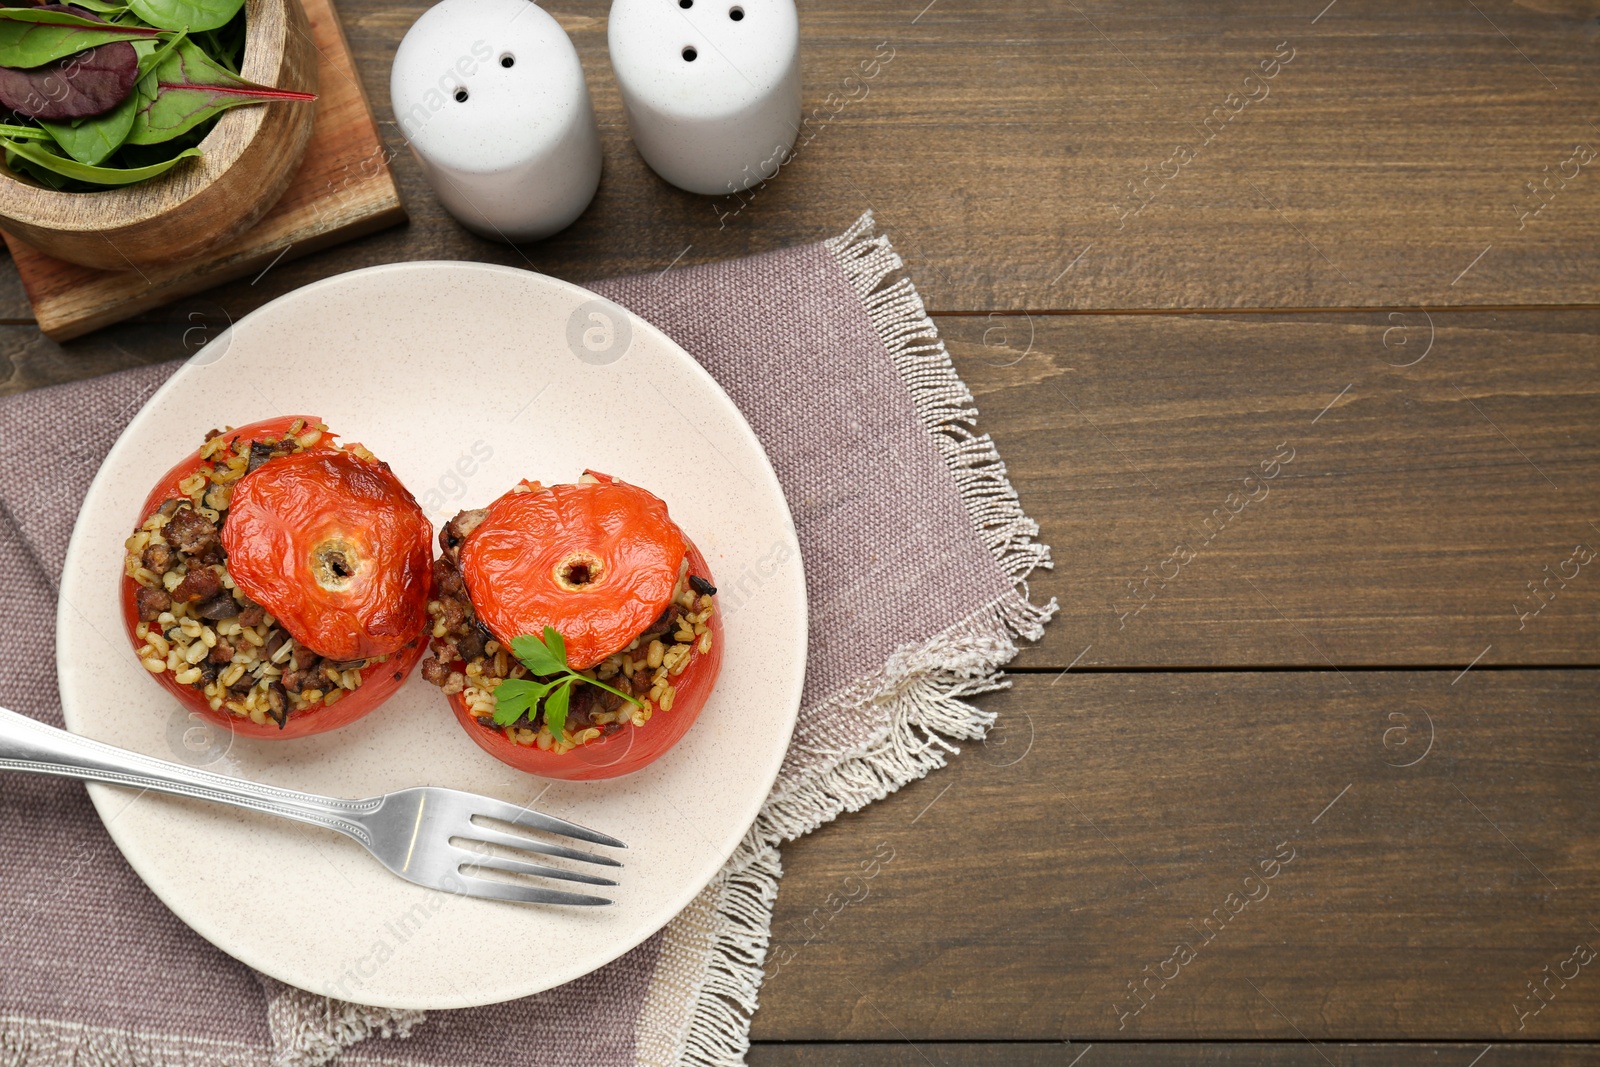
(491, 98)
(711, 87)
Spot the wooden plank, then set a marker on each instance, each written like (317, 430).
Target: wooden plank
(1166, 1054)
(1000, 142)
(1020, 892)
(33, 361)
(1420, 502)
(343, 189)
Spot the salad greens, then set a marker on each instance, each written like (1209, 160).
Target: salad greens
(105, 93)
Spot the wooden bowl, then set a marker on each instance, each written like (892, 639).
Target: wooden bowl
(249, 157)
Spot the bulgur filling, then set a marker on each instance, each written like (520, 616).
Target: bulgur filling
(196, 625)
(468, 660)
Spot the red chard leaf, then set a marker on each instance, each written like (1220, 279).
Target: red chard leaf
(191, 87)
(76, 87)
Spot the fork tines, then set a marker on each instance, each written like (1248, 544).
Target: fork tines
(490, 808)
(479, 834)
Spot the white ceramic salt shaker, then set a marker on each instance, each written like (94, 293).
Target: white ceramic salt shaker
(491, 97)
(711, 87)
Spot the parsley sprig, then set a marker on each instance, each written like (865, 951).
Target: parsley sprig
(544, 657)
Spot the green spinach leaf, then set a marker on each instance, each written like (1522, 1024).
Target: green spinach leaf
(25, 133)
(191, 15)
(40, 156)
(94, 139)
(32, 38)
(102, 7)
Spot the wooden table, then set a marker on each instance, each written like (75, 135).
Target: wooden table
(1379, 661)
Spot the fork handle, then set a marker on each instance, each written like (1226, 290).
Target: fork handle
(33, 747)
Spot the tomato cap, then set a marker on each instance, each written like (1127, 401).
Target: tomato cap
(334, 547)
(596, 560)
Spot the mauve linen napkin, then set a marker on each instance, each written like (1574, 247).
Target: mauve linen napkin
(916, 553)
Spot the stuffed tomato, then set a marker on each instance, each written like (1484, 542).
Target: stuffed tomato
(575, 628)
(278, 580)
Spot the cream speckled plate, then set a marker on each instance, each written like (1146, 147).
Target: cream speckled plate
(464, 378)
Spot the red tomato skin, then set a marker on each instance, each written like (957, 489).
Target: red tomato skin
(379, 681)
(508, 563)
(319, 494)
(630, 748)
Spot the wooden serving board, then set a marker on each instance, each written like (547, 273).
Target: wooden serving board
(344, 189)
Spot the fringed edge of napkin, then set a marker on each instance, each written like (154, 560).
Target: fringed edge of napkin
(920, 694)
(712, 951)
(310, 1030)
(33, 1040)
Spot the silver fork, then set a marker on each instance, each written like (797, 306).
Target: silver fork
(410, 831)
